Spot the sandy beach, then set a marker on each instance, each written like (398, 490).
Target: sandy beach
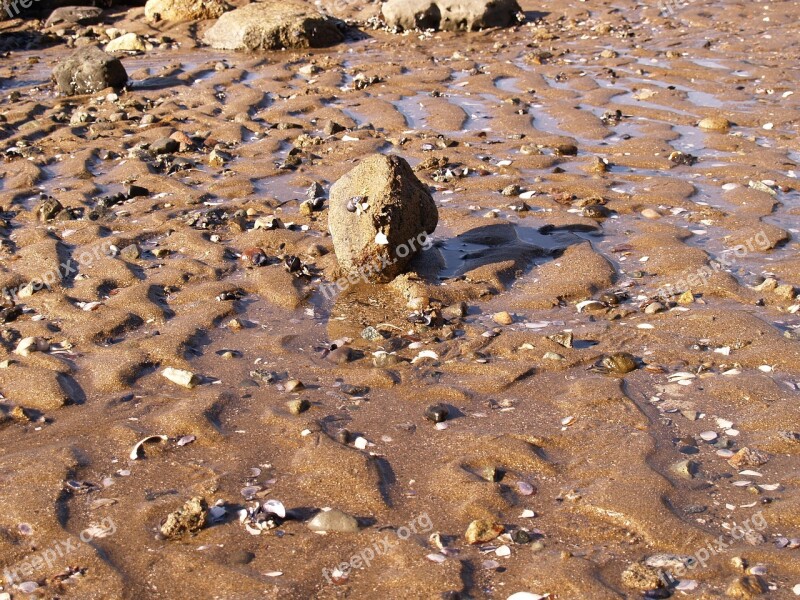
(584, 384)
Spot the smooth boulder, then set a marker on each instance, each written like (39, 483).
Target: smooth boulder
(184, 10)
(88, 71)
(450, 15)
(266, 26)
(380, 216)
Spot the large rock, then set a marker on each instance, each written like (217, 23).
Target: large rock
(15, 9)
(89, 70)
(450, 15)
(184, 10)
(380, 216)
(272, 26)
(74, 15)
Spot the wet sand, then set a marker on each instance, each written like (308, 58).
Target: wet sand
(533, 106)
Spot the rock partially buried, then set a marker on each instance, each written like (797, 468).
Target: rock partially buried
(184, 10)
(129, 42)
(272, 26)
(181, 377)
(189, 518)
(88, 71)
(333, 520)
(380, 217)
(450, 15)
(714, 124)
(483, 530)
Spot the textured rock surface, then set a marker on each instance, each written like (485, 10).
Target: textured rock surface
(393, 203)
(87, 71)
(267, 26)
(450, 15)
(184, 10)
(82, 15)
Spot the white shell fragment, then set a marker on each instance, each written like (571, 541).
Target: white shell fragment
(275, 507)
(527, 596)
(423, 355)
(138, 450)
(29, 345)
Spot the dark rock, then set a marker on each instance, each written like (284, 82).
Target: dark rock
(88, 71)
(437, 413)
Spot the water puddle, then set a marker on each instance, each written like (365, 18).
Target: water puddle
(412, 110)
(508, 84)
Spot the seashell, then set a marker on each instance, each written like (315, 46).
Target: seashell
(275, 507)
(138, 450)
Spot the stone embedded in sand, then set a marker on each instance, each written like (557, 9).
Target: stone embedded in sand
(641, 577)
(128, 42)
(333, 520)
(714, 124)
(450, 15)
(87, 71)
(483, 530)
(392, 215)
(747, 457)
(503, 318)
(181, 377)
(189, 518)
(747, 587)
(272, 26)
(184, 10)
(48, 209)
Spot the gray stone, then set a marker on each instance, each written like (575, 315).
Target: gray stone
(88, 71)
(333, 520)
(74, 15)
(450, 15)
(271, 26)
(394, 214)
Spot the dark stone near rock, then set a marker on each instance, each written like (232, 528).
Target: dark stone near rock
(332, 128)
(437, 413)
(595, 211)
(88, 71)
(136, 191)
(164, 146)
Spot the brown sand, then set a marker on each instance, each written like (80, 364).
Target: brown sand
(599, 450)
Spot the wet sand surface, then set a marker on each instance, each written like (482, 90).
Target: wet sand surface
(585, 105)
